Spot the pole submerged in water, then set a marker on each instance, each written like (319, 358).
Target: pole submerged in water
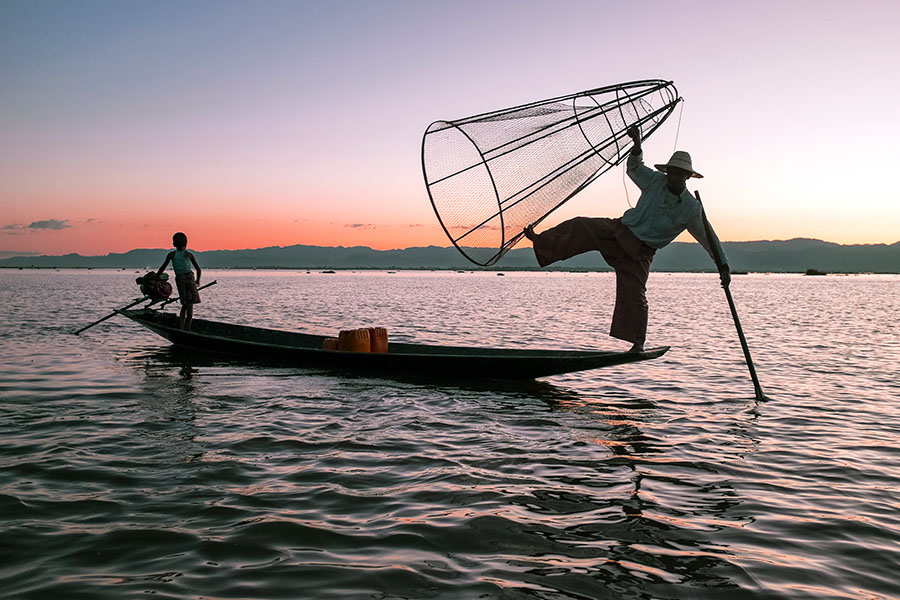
(737, 322)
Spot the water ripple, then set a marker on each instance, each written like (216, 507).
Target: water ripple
(129, 467)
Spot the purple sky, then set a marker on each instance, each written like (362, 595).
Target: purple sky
(263, 123)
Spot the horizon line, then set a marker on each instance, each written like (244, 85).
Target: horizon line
(7, 254)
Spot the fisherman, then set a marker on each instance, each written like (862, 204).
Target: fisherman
(664, 210)
(188, 292)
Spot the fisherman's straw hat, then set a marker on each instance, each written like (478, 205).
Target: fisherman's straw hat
(680, 160)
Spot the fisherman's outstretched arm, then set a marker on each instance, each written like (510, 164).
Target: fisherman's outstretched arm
(713, 247)
(637, 171)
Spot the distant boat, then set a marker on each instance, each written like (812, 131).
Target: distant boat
(815, 272)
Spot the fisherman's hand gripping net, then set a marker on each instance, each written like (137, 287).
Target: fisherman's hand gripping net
(491, 175)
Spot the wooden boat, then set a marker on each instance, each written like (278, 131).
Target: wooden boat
(401, 359)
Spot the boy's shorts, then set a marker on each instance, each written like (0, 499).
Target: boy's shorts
(187, 288)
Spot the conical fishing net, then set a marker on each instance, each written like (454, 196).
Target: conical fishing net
(491, 175)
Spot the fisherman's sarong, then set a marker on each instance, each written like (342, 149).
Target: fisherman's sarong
(187, 288)
(622, 250)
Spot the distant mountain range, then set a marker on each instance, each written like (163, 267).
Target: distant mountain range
(797, 255)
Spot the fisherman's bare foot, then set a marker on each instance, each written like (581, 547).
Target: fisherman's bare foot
(636, 349)
(530, 234)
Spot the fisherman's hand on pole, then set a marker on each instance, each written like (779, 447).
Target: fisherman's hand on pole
(725, 275)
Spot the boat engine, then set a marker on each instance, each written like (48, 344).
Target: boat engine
(155, 287)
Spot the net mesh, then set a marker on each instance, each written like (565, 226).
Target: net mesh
(491, 175)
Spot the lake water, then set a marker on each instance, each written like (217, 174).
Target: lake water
(128, 467)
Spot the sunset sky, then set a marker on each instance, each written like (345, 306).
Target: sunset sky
(249, 124)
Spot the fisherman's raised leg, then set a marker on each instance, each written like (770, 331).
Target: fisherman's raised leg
(571, 238)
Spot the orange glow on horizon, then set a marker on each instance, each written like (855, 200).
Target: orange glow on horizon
(232, 232)
(227, 232)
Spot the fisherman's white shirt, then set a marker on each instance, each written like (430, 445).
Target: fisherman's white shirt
(659, 215)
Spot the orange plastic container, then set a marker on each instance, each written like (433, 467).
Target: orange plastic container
(354, 340)
(379, 339)
(330, 344)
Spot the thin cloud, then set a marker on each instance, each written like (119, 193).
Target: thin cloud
(46, 225)
(374, 226)
(54, 224)
(14, 229)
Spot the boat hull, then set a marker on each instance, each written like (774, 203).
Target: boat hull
(405, 359)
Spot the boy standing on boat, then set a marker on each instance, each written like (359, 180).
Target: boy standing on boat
(664, 210)
(188, 293)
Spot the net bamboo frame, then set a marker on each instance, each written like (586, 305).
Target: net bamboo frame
(491, 175)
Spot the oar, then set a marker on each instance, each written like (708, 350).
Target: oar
(737, 322)
(112, 314)
(138, 301)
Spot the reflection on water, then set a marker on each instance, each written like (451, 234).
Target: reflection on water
(130, 466)
(647, 516)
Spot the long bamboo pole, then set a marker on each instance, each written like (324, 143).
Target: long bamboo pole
(112, 314)
(737, 322)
